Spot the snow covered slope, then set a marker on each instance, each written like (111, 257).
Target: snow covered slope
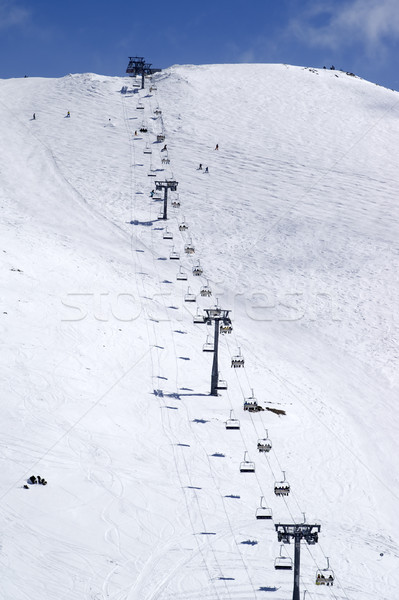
(105, 385)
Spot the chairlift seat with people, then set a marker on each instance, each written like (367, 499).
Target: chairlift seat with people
(189, 248)
(237, 361)
(264, 444)
(325, 576)
(282, 488)
(183, 226)
(197, 270)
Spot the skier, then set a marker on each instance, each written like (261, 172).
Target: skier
(34, 117)
(152, 193)
(206, 170)
(68, 114)
(217, 147)
(135, 133)
(200, 167)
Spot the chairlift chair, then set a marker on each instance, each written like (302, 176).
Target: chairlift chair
(282, 488)
(208, 346)
(198, 318)
(263, 512)
(238, 360)
(247, 466)
(189, 248)
(225, 328)
(181, 275)
(160, 137)
(250, 404)
(283, 563)
(176, 203)
(165, 161)
(264, 444)
(147, 150)
(197, 269)
(140, 105)
(206, 290)
(167, 235)
(189, 297)
(174, 255)
(183, 226)
(325, 576)
(158, 111)
(232, 423)
(221, 384)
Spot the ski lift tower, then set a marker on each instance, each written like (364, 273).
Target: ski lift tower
(297, 532)
(138, 66)
(218, 316)
(165, 186)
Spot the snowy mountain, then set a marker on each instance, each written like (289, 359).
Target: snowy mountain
(105, 384)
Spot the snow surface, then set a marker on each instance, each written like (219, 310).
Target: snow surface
(105, 385)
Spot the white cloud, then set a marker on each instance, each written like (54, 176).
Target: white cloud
(330, 24)
(11, 14)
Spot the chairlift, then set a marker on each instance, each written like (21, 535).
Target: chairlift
(183, 226)
(140, 105)
(206, 290)
(176, 203)
(208, 346)
(282, 488)
(189, 248)
(167, 235)
(264, 444)
(160, 137)
(238, 360)
(158, 111)
(225, 327)
(283, 563)
(247, 466)
(325, 576)
(181, 275)
(189, 297)
(221, 384)
(198, 318)
(147, 149)
(165, 161)
(263, 512)
(174, 255)
(232, 423)
(160, 215)
(197, 269)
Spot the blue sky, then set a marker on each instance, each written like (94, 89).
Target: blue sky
(51, 38)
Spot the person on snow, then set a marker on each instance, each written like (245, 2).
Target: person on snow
(68, 114)
(200, 167)
(217, 147)
(206, 170)
(34, 117)
(152, 193)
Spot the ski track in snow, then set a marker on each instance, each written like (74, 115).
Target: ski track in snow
(105, 382)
